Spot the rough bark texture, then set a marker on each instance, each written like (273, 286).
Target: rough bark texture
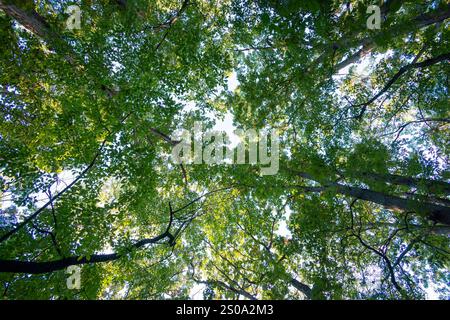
(30, 19)
(431, 185)
(435, 212)
(303, 288)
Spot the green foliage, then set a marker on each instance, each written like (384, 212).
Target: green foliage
(97, 105)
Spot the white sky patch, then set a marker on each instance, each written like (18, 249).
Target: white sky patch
(233, 82)
(196, 292)
(116, 66)
(283, 229)
(226, 125)
(431, 293)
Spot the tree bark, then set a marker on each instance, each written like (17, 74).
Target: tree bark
(432, 185)
(435, 212)
(30, 19)
(30, 267)
(303, 288)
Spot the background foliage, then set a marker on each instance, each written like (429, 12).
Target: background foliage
(359, 210)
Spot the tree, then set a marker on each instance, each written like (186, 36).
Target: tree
(359, 209)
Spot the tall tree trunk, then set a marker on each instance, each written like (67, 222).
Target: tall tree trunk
(303, 288)
(435, 212)
(433, 186)
(30, 19)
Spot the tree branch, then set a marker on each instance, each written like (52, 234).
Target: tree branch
(403, 70)
(50, 266)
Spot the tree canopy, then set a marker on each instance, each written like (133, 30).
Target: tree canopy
(360, 206)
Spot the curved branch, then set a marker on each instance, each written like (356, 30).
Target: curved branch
(386, 260)
(403, 70)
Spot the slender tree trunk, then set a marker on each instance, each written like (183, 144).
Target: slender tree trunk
(37, 25)
(433, 186)
(30, 19)
(303, 288)
(435, 212)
